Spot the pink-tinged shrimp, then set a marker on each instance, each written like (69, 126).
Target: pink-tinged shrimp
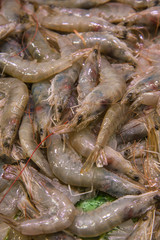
(28, 144)
(137, 4)
(56, 211)
(31, 71)
(147, 18)
(106, 217)
(71, 3)
(109, 91)
(6, 29)
(66, 166)
(88, 77)
(108, 44)
(17, 98)
(67, 23)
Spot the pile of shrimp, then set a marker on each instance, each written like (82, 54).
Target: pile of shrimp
(79, 115)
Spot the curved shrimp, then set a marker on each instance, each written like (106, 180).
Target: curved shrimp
(71, 3)
(31, 71)
(106, 217)
(66, 166)
(88, 77)
(56, 211)
(43, 112)
(17, 98)
(28, 144)
(109, 91)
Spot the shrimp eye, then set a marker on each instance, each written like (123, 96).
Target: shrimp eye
(145, 218)
(59, 109)
(127, 153)
(136, 178)
(156, 127)
(125, 34)
(79, 119)
(6, 145)
(41, 131)
(129, 96)
(95, 51)
(157, 197)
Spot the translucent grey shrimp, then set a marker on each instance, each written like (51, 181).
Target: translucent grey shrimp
(38, 46)
(140, 4)
(6, 29)
(17, 98)
(108, 127)
(106, 217)
(11, 10)
(144, 227)
(17, 199)
(71, 3)
(62, 84)
(126, 70)
(88, 77)
(109, 91)
(67, 23)
(28, 143)
(66, 166)
(43, 112)
(56, 210)
(31, 71)
(12, 46)
(108, 44)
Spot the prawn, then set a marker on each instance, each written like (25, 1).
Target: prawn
(140, 4)
(109, 91)
(106, 217)
(32, 72)
(66, 166)
(28, 144)
(17, 98)
(56, 210)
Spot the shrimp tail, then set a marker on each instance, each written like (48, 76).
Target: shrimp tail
(10, 222)
(91, 160)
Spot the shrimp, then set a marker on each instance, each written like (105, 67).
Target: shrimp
(39, 47)
(43, 112)
(17, 199)
(148, 18)
(17, 98)
(28, 144)
(84, 143)
(109, 91)
(106, 217)
(3, 182)
(13, 47)
(144, 227)
(67, 23)
(125, 70)
(71, 3)
(32, 72)
(6, 29)
(140, 4)
(62, 84)
(56, 210)
(11, 10)
(108, 44)
(88, 76)
(66, 166)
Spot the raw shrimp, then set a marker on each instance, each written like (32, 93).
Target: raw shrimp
(84, 143)
(106, 217)
(88, 77)
(56, 211)
(108, 44)
(17, 199)
(11, 10)
(11, 46)
(125, 70)
(31, 71)
(144, 227)
(3, 182)
(28, 144)
(147, 18)
(71, 3)
(109, 91)
(39, 47)
(66, 166)
(67, 23)
(6, 29)
(140, 3)
(43, 112)
(17, 98)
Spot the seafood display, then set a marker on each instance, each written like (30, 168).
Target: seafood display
(79, 120)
